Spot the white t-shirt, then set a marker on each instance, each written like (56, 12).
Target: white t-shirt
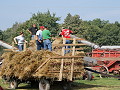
(39, 34)
(20, 39)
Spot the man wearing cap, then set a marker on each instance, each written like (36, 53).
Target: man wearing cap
(39, 40)
(46, 39)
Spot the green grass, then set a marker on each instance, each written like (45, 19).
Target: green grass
(96, 84)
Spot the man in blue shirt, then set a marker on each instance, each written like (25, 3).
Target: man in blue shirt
(39, 40)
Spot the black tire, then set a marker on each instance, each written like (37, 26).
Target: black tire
(44, 84)
(87, 75)
(13, 84)
(34, 84)
(66, 86)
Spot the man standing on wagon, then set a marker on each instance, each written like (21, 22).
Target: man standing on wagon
(33, 31)
(39, 39)
(66, 34)
(46, 39)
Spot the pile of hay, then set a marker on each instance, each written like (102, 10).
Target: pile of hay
(25, 65)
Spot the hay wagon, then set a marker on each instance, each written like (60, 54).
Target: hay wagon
(53, 67)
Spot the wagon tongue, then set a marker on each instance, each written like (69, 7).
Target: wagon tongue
(89, 69)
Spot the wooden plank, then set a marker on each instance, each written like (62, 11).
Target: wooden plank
(10, 49)
(7, 49)
(59, 57)
(75, 49)
(72, 65)
(74, 38)
(69, 44)
(107, 58)
(62, 62)
(68, 38)
(25, 47)
(63, 71)
(70, 49)
(42, 64)
(12, 46)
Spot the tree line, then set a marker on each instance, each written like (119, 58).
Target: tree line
(97, 31)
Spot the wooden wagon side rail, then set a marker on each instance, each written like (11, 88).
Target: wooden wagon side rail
(62, 57)
(69, 44)
(64, 60)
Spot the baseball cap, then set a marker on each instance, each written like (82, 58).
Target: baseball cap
(42, 27)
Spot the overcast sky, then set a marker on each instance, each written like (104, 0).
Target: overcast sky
(12, 11)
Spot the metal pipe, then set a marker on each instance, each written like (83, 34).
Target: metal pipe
(86, 42)
(110, 47)
(5, 45)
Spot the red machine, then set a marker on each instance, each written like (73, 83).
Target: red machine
(108, 60)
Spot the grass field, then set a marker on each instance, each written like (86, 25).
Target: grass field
(95, 84)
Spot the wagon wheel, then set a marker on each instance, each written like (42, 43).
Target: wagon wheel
(103, 69)
(116, 72)
(66, 85)
(87, 75)
(13, 84)
(44, 84)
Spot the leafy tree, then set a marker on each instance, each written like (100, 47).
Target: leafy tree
(1, 34)
(1, 38)
(39, 19)
(97, 31)
(73, 23)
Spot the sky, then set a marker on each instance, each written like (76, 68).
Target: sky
(12, 11)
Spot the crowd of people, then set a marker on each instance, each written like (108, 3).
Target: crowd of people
(42, 37)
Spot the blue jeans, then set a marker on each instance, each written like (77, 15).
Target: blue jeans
(47, 45)
(39, 45)
(67, 42)
(33, 37)
(20, 47)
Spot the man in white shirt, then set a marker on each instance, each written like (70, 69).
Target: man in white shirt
(39, 40)
(19, 40)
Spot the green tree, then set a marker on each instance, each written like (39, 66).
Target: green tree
(1, 38)
(39, 19)
(73, 23)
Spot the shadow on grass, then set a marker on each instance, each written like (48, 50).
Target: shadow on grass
(25, 87)
(76, 85)
(58, 86)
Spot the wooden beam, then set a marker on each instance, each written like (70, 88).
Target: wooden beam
(72, 65)
(64, 71)
(46, 61)
(69, 44)
(69, 38)
(25, 47)
(70, 49)
(107, 58)
(7, 49)
(62, 61)
(59, 57)
(75, 49)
